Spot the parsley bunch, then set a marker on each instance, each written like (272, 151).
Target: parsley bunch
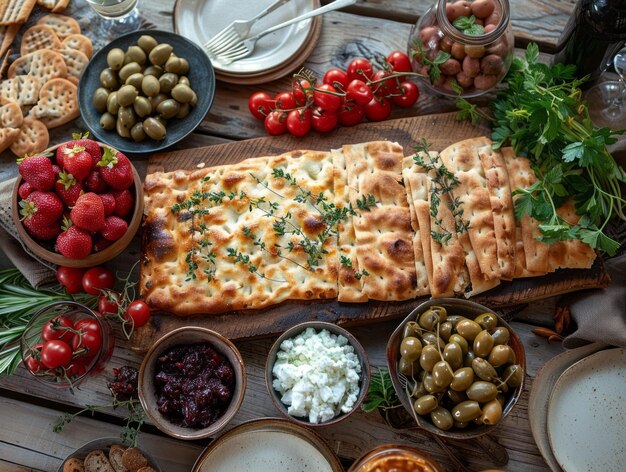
(541, 114)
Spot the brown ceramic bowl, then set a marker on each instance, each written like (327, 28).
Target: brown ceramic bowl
(453, 306)
(318, 326)
(45, 250)
(147, 393)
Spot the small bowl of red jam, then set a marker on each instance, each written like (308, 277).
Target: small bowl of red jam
(192, 383)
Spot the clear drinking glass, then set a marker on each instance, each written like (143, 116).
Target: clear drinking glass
(606, 99)
(120, 16)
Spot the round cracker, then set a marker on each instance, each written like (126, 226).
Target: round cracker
(79, 42)
(11, 115)
(8, 137)
(62, 25)
(33, 138)
(45, 64)
(39, 37)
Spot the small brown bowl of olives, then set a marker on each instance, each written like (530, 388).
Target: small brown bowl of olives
(457, 367)
(146, 90)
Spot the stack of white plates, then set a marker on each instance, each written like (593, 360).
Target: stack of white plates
(577, 410)
(274, 56)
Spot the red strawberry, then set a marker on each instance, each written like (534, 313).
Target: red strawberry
(116, 169)
(37, 171)
(124, 203)
(100, 244)
(94, 182)
(43, 208)
(88, 213)
(25, 190)
(57, 170)
(68, 188)
(92, 147)
(43, 232)
(77, 162)
(108, 201)
(114, 228)
(74, 243)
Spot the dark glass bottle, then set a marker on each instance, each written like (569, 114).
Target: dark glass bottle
(594, 33)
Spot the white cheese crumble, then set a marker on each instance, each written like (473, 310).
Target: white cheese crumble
(317, 375)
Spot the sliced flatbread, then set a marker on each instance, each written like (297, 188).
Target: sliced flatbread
(33, 138)
(15, 11)
(573, 253)
(44, 64)
(57, 104)
(39, 37)
(62, 25)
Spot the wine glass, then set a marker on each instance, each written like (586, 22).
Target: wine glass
(606, 99)
(118, 16)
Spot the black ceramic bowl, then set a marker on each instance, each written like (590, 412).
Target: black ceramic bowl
(201, 77)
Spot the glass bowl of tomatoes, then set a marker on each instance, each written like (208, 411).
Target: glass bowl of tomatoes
(65, 343)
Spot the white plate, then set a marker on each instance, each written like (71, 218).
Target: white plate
(586, 414)
(200, 20)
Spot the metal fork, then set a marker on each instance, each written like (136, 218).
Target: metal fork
(245, 46)
(238, 29)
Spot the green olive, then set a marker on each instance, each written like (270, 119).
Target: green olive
(122, 130)
(458, 424)
(454, 319)
(194, 99)
(168, 81)
(136, 54)
(500, 335)
(501, 399)
(142, 107)
(456, 397)
(482, 391)
(168, 108)
(156, 71)
(154, 101)
(432, 338)
(411, 328)
(177, 65)
(184, 64)
(126, 95)
(99, 99)
(127, 116)
(462, 379)
(184, 94)
(128, 70)
(483, 343)
(108, 79)
(469, 329)
(154, 128)
(445, 330)
(147, 43)
(184, 80)
(112, 104)
(429, 357)
(513, 375)
(183, 111)
(160, 120)
(466, 411)
(468, 358)
(107, 121)
(160, 54)
(419, 390)
(500, 355)
(150, 85)
(442, 374)
(441, 418)
(453, 354)
(115, 58)
(483, 369)
(461, 341)
(425, 404)
(429, 384)
(492, 412)
(135, 80)
(487, 321)
(137, 132)
(407, 367)
(410, 347)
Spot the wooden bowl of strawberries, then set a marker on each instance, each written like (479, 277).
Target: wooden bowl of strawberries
(77, 204)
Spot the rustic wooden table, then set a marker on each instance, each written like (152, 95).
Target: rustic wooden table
(369, 28)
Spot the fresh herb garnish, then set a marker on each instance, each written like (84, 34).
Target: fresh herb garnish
(381, 395)
(346, 262)
(467, 25)
(433, 65)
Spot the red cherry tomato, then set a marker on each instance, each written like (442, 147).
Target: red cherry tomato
(75, 369)
(32, 364)
(87, 324)
(399, 62)
(88, 339)
(360, 92)
(55, 353)
(350, 114)
(378, 109)
(59, 327)
(323, 120)
(276, 123)
(97, 279)
(299, 122)
(410, 93)
(71, 278)
(302, 91)
(260, 104)
(108, 303)
(384, 88)
(360, 68)
(325, 97)
(285, 101)
(337, 78)
(137, 312)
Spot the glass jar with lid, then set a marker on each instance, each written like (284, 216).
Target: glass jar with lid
(395, 458)
(463, 47)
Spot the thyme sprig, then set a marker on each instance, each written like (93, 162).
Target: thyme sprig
(347, 262)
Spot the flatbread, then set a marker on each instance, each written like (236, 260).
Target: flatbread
(383, 231)
(573, 253)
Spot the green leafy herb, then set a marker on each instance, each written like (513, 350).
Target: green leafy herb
(366, 202)
(433, 65)
(346, 262)
(381, 395)
(467, 25)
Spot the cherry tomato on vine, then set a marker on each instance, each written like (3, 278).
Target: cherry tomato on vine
(55, 353)
(59, 327)
(326, 98)
(108, 303)
(399, 62)
(360, 92)
(323, 120)
(409, 95)
(350, 114)
(87, 325)
(337, 78)
(138, 312)
(285, 101)
(88, 339)
(32, 364)
(299, 122)
(378, 109)
(260, 104)
(276, 123)
(302, 91)
(98, 278)
(75, 369)
(71, 278)
(360, 68)
(384, 88)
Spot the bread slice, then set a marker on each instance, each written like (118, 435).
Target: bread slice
(115, 457)
(73, 465)
(96, 461)
(133, 459)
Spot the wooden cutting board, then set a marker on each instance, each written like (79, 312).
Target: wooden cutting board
(440, 131)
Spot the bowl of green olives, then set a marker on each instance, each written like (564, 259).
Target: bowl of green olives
(457, 367)
(146, 90)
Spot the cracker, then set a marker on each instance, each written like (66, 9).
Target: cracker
(8, 137)
(10, 114)
(76, 62)
(44, 64)
(22, 89)
(49, 4)
(57, 103)
(62, 25)
(33, 138)
(39, 37)
(60, 6)
(7, 35)
(79, 42)
(4, 62)
(15, 11)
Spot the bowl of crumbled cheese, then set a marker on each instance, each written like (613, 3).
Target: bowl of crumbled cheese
(317, 373)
